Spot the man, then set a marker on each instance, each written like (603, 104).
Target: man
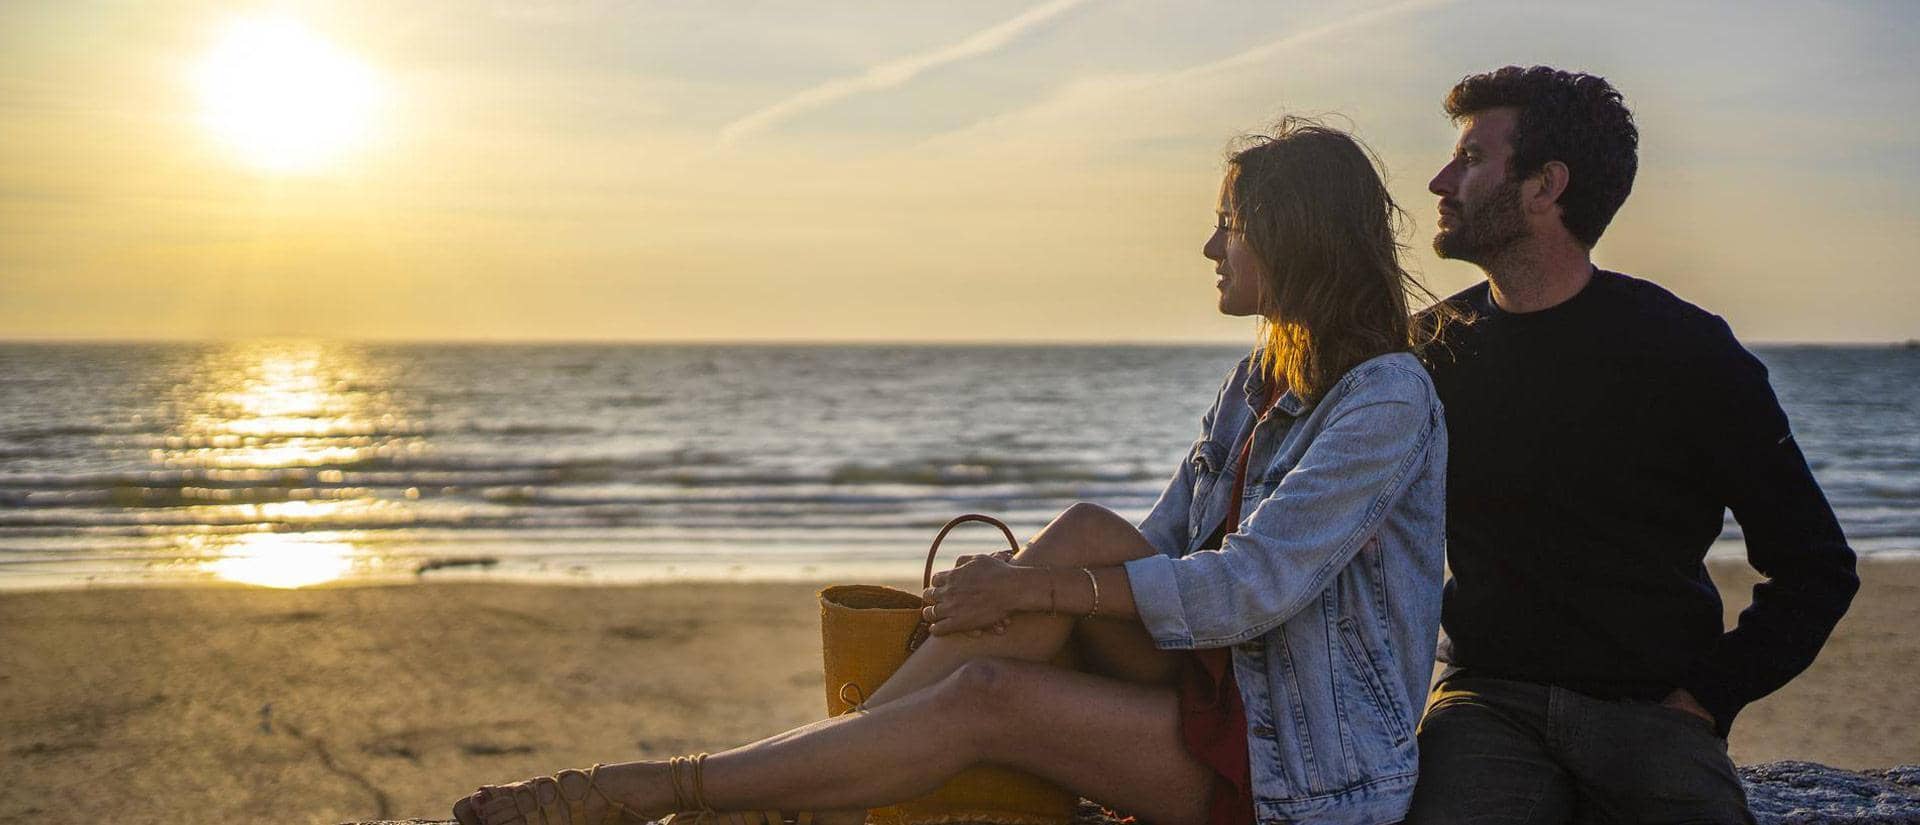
(1600, 428)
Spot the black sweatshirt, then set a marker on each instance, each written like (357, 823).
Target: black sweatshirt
(1594, 448)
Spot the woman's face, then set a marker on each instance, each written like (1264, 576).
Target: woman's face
(1242, 273)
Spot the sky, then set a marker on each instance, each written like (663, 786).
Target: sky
(984, 171)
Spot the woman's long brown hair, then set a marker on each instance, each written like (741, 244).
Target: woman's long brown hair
(1314, 209)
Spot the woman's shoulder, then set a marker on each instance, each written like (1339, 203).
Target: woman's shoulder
(1392, 377)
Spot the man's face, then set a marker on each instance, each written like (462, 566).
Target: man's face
(1480, 214)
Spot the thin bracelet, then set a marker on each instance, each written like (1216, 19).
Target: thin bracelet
(1096, 593)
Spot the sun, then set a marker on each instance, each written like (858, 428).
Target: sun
(283, 97)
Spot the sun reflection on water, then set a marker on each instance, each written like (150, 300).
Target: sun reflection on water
(264, 429)
(284, 560)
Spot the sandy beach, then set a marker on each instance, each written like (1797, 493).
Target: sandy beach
(226, 704)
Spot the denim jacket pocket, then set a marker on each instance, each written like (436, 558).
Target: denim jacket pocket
(1209, 461)
(1376, 685)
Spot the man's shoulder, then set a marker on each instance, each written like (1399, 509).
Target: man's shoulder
(1450, 325)
(1469, 295)
(1658, 318)
(1463, 307)
(1677, 343)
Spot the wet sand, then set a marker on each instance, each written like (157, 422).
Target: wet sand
(228, 704)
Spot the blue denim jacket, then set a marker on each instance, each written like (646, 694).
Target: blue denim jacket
(1328, 591)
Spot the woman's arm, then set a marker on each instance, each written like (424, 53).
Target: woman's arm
(975, 595)
(986, 590)
(1300, 537)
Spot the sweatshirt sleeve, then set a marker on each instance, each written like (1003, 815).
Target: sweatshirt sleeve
(1298, 538)
(1792, 538)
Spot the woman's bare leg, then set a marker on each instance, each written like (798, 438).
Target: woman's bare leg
(1110, 740)
(1085, 535)
(960, 664)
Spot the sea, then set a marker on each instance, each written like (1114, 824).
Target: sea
(300, 463)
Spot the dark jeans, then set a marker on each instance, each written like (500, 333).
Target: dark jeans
(1498, 751)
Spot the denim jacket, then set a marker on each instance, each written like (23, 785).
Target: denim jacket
(1329, 589)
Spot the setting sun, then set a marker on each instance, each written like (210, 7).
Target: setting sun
(283, 97)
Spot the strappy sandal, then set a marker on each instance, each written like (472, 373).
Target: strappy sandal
(737, 818)
(524, 805)
(690, 797)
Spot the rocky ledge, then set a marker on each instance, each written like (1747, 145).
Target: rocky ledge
(1780, 793)
(1805, 793)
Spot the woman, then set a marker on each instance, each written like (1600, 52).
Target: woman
(1258, 647)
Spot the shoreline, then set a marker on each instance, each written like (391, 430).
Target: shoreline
(537, 571)
(354, 701)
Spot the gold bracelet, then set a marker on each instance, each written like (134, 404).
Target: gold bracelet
(1096, 593)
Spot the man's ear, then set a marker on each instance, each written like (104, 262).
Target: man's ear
(1551, 180)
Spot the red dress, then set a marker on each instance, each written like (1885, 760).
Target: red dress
(1213, 721)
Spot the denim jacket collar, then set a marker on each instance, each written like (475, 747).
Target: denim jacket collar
(1254, 390)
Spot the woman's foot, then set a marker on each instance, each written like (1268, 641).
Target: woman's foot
(604, 795)
(629, 792)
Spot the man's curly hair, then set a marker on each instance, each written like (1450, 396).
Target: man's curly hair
(1575, 118)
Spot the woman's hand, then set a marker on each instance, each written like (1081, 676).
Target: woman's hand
(980, 593)
(999, 628)
(1003, 555)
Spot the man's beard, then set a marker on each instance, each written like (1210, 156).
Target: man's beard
(1486, 230)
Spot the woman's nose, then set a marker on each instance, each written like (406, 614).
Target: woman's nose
(1216, 246)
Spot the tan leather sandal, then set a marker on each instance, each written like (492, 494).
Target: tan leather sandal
(737, 818)
(524, 806)
(690, 797)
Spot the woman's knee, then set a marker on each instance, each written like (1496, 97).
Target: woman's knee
(1085, 534)
(983, 694)
(980, 683)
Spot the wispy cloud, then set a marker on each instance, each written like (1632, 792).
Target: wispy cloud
(1274, 48)
(1098, 94)
(896, 72)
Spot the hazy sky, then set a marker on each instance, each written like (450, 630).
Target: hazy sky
(992, 171)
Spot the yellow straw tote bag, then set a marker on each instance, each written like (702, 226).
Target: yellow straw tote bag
(866, 633)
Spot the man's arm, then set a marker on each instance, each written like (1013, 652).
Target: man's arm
(1792, 539)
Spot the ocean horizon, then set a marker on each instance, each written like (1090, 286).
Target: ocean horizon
(293, 462)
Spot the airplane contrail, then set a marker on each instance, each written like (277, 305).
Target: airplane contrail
(1268, 50)
(895, 72)
(1133, 84)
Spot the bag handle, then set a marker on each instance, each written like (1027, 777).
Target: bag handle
(920, 629)
(926, 578)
